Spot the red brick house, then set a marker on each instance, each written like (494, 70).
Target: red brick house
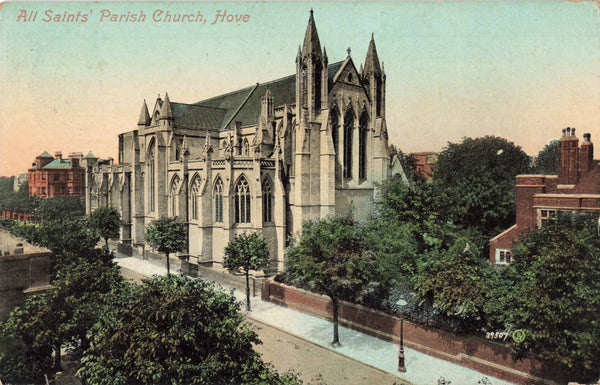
(56, 177)
(576, 188)
(424, 163)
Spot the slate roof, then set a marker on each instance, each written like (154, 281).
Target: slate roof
(241, 105)
(194, 116)
(45, 155)
(58, 163)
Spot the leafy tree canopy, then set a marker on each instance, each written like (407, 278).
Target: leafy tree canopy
(247, 252)
(167, 235)
(554, 294)
(478, 175)
(546, 161)
(106, 221)
(174, 330)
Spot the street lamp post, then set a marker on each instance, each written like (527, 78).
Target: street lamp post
(401, 366)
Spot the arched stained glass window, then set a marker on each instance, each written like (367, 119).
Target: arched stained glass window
(218, 200)
(242, 201)
(267, 200)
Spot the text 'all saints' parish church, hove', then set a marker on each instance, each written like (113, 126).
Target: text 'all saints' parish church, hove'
(264, 158)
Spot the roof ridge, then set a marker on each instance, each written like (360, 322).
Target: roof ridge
(200, 106)
(237, 111)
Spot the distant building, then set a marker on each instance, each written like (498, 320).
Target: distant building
(19, 180)
(539, 198)
(424, 163)
(57, 177)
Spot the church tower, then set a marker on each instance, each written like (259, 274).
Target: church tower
(311, 74)
(374, 80)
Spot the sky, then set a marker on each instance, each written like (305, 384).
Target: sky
(519, 70)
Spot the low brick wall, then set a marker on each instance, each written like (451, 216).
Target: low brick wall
(488, 357)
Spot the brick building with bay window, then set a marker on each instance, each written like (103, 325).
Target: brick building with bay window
(539, 198)
(56, 177)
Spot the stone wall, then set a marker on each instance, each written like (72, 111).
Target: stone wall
(21, 275)
(488, 357)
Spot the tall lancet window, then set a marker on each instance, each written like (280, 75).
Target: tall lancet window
(318, 71)
(218, 200)
(242, 201)
(362, 146)
(246, 148)
(348, 132)
(174, 197)
(334, 130)
(304, 86)
(151, 177)
(194, 196)
(267, 200)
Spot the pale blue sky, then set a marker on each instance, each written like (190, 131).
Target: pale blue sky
(521, 70)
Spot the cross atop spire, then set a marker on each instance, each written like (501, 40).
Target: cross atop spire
(311, 45)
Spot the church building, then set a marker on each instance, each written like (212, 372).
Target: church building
(264, 158)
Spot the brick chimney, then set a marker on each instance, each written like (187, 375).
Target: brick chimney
(586, 154)
(58, 155)
(568, 158)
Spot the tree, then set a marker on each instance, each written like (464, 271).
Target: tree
(167, 235)
(27, 339)
(478, 175)
(331, 258)
(546, 162)
(247, 252)
(106, 221)
(68, 240)
(455, 279)
(174, 330)
(60, 208)
(554, 296)
(62, 316)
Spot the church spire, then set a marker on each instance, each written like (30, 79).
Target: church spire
(372, 65)
(166, 112)
(144, 119)
(311, 45)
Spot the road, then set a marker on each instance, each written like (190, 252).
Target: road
(313, 363)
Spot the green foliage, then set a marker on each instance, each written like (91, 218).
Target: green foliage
(331, 257)
(167, 235)
(82, 293)
(60, 208)
(546, 161)
(106, 221)
(455, 280)
(68, 240)
(248, 252)
(174, 330)
(27, 338)
(554, 294)
(478, 176)
(59, 317)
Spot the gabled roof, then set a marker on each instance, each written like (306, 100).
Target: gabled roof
(194, 116)
(45, 155)
(58, 163)
(242, 105)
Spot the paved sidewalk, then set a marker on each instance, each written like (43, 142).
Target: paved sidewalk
(421, 369)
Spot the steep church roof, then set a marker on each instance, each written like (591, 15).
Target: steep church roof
(371, 61)
(244, 105)
(195, 116)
